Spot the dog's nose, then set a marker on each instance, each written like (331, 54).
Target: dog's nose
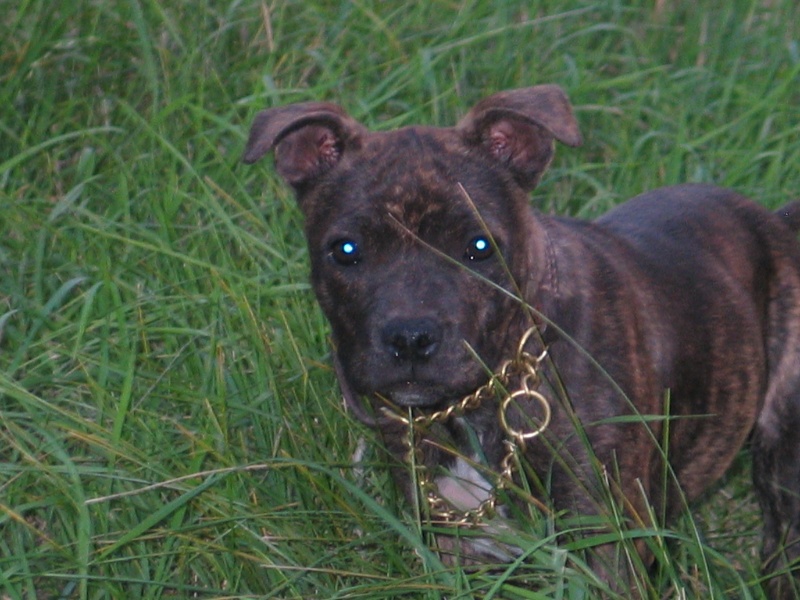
(413, 340)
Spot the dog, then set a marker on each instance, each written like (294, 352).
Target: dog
(666, 333)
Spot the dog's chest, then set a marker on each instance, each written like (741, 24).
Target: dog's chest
(464, 487)
(464, 484)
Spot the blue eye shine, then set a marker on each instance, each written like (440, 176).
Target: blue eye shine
(479, 248)
(345, 252)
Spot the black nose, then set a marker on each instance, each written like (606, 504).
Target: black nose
(414, 340)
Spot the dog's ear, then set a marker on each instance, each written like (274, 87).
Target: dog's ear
(518, 129)
(309, 139)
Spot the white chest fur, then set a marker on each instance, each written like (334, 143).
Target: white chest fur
(464, 487)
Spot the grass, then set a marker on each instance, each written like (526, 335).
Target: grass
(169, 422)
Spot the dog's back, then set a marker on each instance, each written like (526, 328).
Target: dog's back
(736, 270)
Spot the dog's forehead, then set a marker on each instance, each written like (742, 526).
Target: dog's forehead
(415, 156)
(417, 174)
(418, 182)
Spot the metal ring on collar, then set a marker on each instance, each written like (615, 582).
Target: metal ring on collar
(520, 437)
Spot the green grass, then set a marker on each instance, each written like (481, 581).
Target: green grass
(169, 422)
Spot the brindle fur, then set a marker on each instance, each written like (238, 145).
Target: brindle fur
(687, 300)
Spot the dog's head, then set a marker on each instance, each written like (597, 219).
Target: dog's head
(421, 239)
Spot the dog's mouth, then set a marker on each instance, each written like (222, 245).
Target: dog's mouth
(416, 394)
(402, 394)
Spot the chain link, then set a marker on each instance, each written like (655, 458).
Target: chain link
(523, 366)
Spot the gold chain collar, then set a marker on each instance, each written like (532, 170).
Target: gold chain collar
(524, 367)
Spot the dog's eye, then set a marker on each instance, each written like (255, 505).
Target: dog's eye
(479, 248)
(345, 252)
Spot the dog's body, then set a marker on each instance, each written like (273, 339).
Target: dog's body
(672, 323)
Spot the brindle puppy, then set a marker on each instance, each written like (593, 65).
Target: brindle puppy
(672, 323)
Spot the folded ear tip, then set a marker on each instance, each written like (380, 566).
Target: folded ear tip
(573, 139)
(249, 157)
(256, 149)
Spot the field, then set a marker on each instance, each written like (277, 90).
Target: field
(170, 425)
